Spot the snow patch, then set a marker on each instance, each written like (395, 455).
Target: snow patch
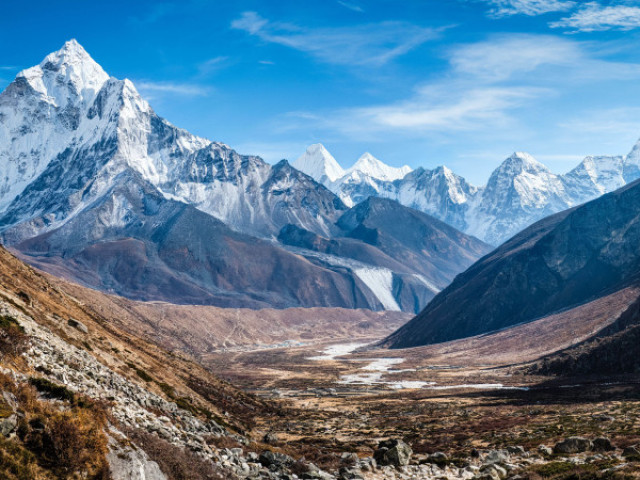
(380, 282)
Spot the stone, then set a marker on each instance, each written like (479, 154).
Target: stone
(496, 456)
(573, 445)
(78, 325)
(393, 452)
(439, 458)
(349, 474)
(631, 452)
(544, 450)
(10, 399)
(602, 444)
(8, 425)
(270, 438)
(270, 459)
(516, 449)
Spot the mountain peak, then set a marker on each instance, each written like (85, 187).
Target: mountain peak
(69, 66)
(371, 166)
(519, 162)
(319, 164)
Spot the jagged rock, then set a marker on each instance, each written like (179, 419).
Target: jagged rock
(496, 456)
(8, 425)
(602, 444)
(573, 445)
(516, 449)
(269, 459)
(632, 451)
(393, 452)
(349, 474)
(78, 325)
(270, 438)
(126, 463)
(10, 399)
(544, 450)
(439, 458)
(494, 470)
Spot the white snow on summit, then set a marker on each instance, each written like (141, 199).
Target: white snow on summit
(374, 168)
(319, 164)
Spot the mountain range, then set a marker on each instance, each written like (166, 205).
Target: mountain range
(518, 193)
(560, 262)
(96, 187)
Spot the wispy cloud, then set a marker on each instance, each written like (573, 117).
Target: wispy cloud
(351, 6)
(185, 89)
(373, 44)
(505, 8)
(593, 17)
(7, 67)
(485, 85)
(266, 62)
(212, 65)
(445, 107)
(504, 57)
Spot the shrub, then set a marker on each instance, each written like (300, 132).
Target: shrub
(13, 339)
(52, 390)
(140, 372)
(176, 463)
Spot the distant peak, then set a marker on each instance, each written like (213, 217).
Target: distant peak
(375, 168)
(521, 161)
(319, 164)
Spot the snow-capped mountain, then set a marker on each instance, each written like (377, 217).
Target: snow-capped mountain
(97, 187)
(369, 165)
(367, 177)
(66, 115)
(319, 164)
(518, 193)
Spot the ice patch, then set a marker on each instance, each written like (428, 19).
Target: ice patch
(380, 282)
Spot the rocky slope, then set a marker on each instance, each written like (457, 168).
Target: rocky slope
(562, 261)
(82, 366)
(518, 193)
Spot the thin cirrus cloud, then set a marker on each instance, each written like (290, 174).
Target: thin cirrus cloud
(374, 44)
(485, 84)
(212, 65)
(351, 6)
(505, 57)
(593, 17)
(184, 89)
(505, 8)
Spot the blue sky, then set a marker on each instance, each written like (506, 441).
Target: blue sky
(456, 82)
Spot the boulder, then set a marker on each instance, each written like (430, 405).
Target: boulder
(270, 438)
(78, 325)
(602, 444)
(544, 450)
(269, 458)
(439, 458)
(496, 456)
(631, 452)
(8, 425)
(573, 445)
(393, 452)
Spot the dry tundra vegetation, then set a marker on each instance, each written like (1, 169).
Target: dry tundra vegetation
(290, 404)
